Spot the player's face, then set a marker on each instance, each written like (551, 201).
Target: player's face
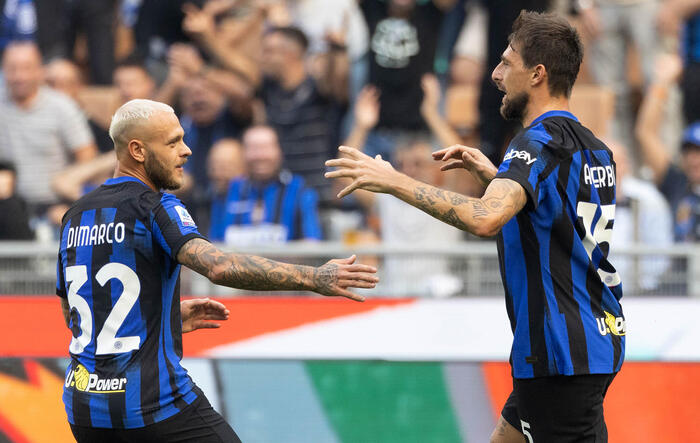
(510, 76)
(166, 152)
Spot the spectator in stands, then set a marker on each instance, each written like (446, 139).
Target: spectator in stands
(41, 131)
(269, 204)
(399, 223)
(225, 163)
(14, 218)
(613, 26)
(305, 111)
(680, 186)
(95, 19)
(642, 216)
(680, 20)
(403, 40)
(64, 76)
(133, 81)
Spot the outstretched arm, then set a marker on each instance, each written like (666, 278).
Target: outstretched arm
(483, 216)
(259, 273)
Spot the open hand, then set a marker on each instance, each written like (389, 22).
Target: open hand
(333, 278)
(471, 159)
(370, 174)
(198, 313)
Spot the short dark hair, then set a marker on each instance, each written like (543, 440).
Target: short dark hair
(550, 40)
(132, 61)
(6, 165)
(292, 33)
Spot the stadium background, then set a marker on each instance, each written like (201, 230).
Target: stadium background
(419, 362)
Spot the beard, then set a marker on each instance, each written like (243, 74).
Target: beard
(514, 109)
(159, 174)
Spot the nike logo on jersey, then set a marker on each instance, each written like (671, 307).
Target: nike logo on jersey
(599, 176)
(522, 155)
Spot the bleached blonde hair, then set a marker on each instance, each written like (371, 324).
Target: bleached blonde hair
(133, 113)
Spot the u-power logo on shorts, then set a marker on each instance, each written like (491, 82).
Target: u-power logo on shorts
(522, 155)
(82, 380)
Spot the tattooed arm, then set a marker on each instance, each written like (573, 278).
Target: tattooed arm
(258, 273)
(483, 216)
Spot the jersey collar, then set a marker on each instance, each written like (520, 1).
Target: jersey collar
(566, 114)
(124, 179)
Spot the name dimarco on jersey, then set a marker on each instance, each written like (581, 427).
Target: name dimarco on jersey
(95, 235)
(599, 176)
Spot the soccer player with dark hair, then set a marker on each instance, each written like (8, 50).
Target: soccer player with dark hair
(118, 270)
(552, 204)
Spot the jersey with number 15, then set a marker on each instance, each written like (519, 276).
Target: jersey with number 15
(117, 268)
(562, 293)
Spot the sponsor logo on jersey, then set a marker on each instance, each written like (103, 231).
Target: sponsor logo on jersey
(599, 176)
(185, 216)
(611, 324)
(95, 235)
(522, 155)
(82, 380)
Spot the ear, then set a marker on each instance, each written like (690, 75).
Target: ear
(137, 150)
(538, 75)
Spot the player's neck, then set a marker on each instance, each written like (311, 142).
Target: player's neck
(125, 171)
(539, 106)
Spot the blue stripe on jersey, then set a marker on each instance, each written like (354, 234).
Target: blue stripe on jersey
(161, 239)
(515, 260)
(133, 414)
(83, 257)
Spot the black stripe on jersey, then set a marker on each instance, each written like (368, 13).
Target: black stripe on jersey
(536, 307)
(560, 262)
(151, 306)
(175, 331)
(509, 298)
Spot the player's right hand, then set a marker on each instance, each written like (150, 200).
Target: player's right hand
(333, 278)
(471, 159)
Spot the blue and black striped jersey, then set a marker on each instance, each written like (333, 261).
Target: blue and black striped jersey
(562, 293)
(117, 268)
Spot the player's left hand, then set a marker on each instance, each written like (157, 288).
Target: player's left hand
(370, 174)
(198, 313)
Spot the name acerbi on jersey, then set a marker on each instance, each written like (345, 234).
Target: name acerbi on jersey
(95, 235)
(599, 176)
(611, 325)
(522, 155)
(84, 381)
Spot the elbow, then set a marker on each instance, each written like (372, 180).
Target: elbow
(487, 228)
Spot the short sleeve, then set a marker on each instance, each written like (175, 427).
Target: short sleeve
(74, 128)
(524, 162)
(173, 226)
(60, 282)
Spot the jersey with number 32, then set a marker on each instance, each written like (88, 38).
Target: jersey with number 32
(117, 268)
(562, 293)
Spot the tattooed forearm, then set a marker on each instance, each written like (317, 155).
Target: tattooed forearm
(482, 216)
(249, 272)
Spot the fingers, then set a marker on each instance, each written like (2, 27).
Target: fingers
(348, 189)
(344, 261)
(455, 164)
(201, 324)
(338, 173)
(359, 268)
(356, 284)
(353, 153)
(342, 163)
(347, 294)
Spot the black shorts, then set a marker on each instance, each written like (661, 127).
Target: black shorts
(559, 409)
(198, 422)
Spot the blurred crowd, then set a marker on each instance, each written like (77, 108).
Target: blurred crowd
(266, 91)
